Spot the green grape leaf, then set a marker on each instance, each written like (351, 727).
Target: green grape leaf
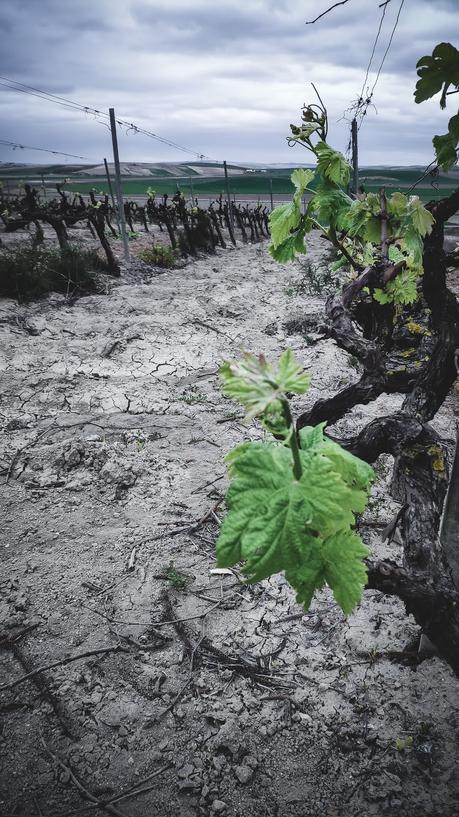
(414, 243)
(373, 230)
(339, 263)
(312, 437)
(256, 383)
(453, 127)
(332, 165)
(445, 150)
(353, 470)
(273, 521)
(357, 217)
(301, 179)
(290, 248)
(421, 219)
(282, 221)
(395, 254)
(308, 577)
(373, 203)
(400, 290)
(287, 225)
(381, 296)
(403, 287)
(397, 204)
(344, 570)
(260, 473)
(338, 563)
(437, 72)
(331, 205)
(303, 133)
(290, 375)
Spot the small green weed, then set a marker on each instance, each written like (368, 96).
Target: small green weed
(29, 272)
(159, 256)
(192, 395)
(354, 363)
(424, 729)
(175, 579)
(404, 744)
(315, 280)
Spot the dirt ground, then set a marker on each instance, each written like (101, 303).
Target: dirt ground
(206, 697)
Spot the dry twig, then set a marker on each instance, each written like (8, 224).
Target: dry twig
(61, 663)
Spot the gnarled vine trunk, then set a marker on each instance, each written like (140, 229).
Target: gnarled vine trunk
(422, 579)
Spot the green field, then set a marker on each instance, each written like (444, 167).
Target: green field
(252, 182)
(260, 185)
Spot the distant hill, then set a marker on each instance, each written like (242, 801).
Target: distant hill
(376, 174)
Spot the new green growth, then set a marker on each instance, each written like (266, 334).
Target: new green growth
(293, 498)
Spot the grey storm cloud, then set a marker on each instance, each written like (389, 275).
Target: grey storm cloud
(224, 78)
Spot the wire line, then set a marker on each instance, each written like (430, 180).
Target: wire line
(388, 46)
(69, 104)
(374, 49)
(15, 145)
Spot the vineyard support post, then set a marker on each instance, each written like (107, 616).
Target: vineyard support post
(192, 191)
(43, 186)
(228, 195)
(355, 158)
(119, 195)
(271, 194)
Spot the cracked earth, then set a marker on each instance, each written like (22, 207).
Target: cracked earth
(199, 696)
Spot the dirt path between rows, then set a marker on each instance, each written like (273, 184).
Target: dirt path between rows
(114, 433)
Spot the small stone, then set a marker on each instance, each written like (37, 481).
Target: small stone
(187, 784)
(219, 762)
(229, 737)
(218, 807)
(243, 774)
(186, 770)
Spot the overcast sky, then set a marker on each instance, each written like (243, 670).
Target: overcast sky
(224, 77)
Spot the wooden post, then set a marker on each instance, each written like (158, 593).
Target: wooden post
(109, 181)
(192, 191)
(228, 196)
(355, 158)
(119, 194)
(43, 186)
(271, 194)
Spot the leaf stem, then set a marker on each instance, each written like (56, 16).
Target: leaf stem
(292, 439)
(330, 234)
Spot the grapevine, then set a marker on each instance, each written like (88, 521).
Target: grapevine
(353, 226)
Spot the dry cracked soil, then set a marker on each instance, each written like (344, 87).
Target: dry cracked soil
(195, 694)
